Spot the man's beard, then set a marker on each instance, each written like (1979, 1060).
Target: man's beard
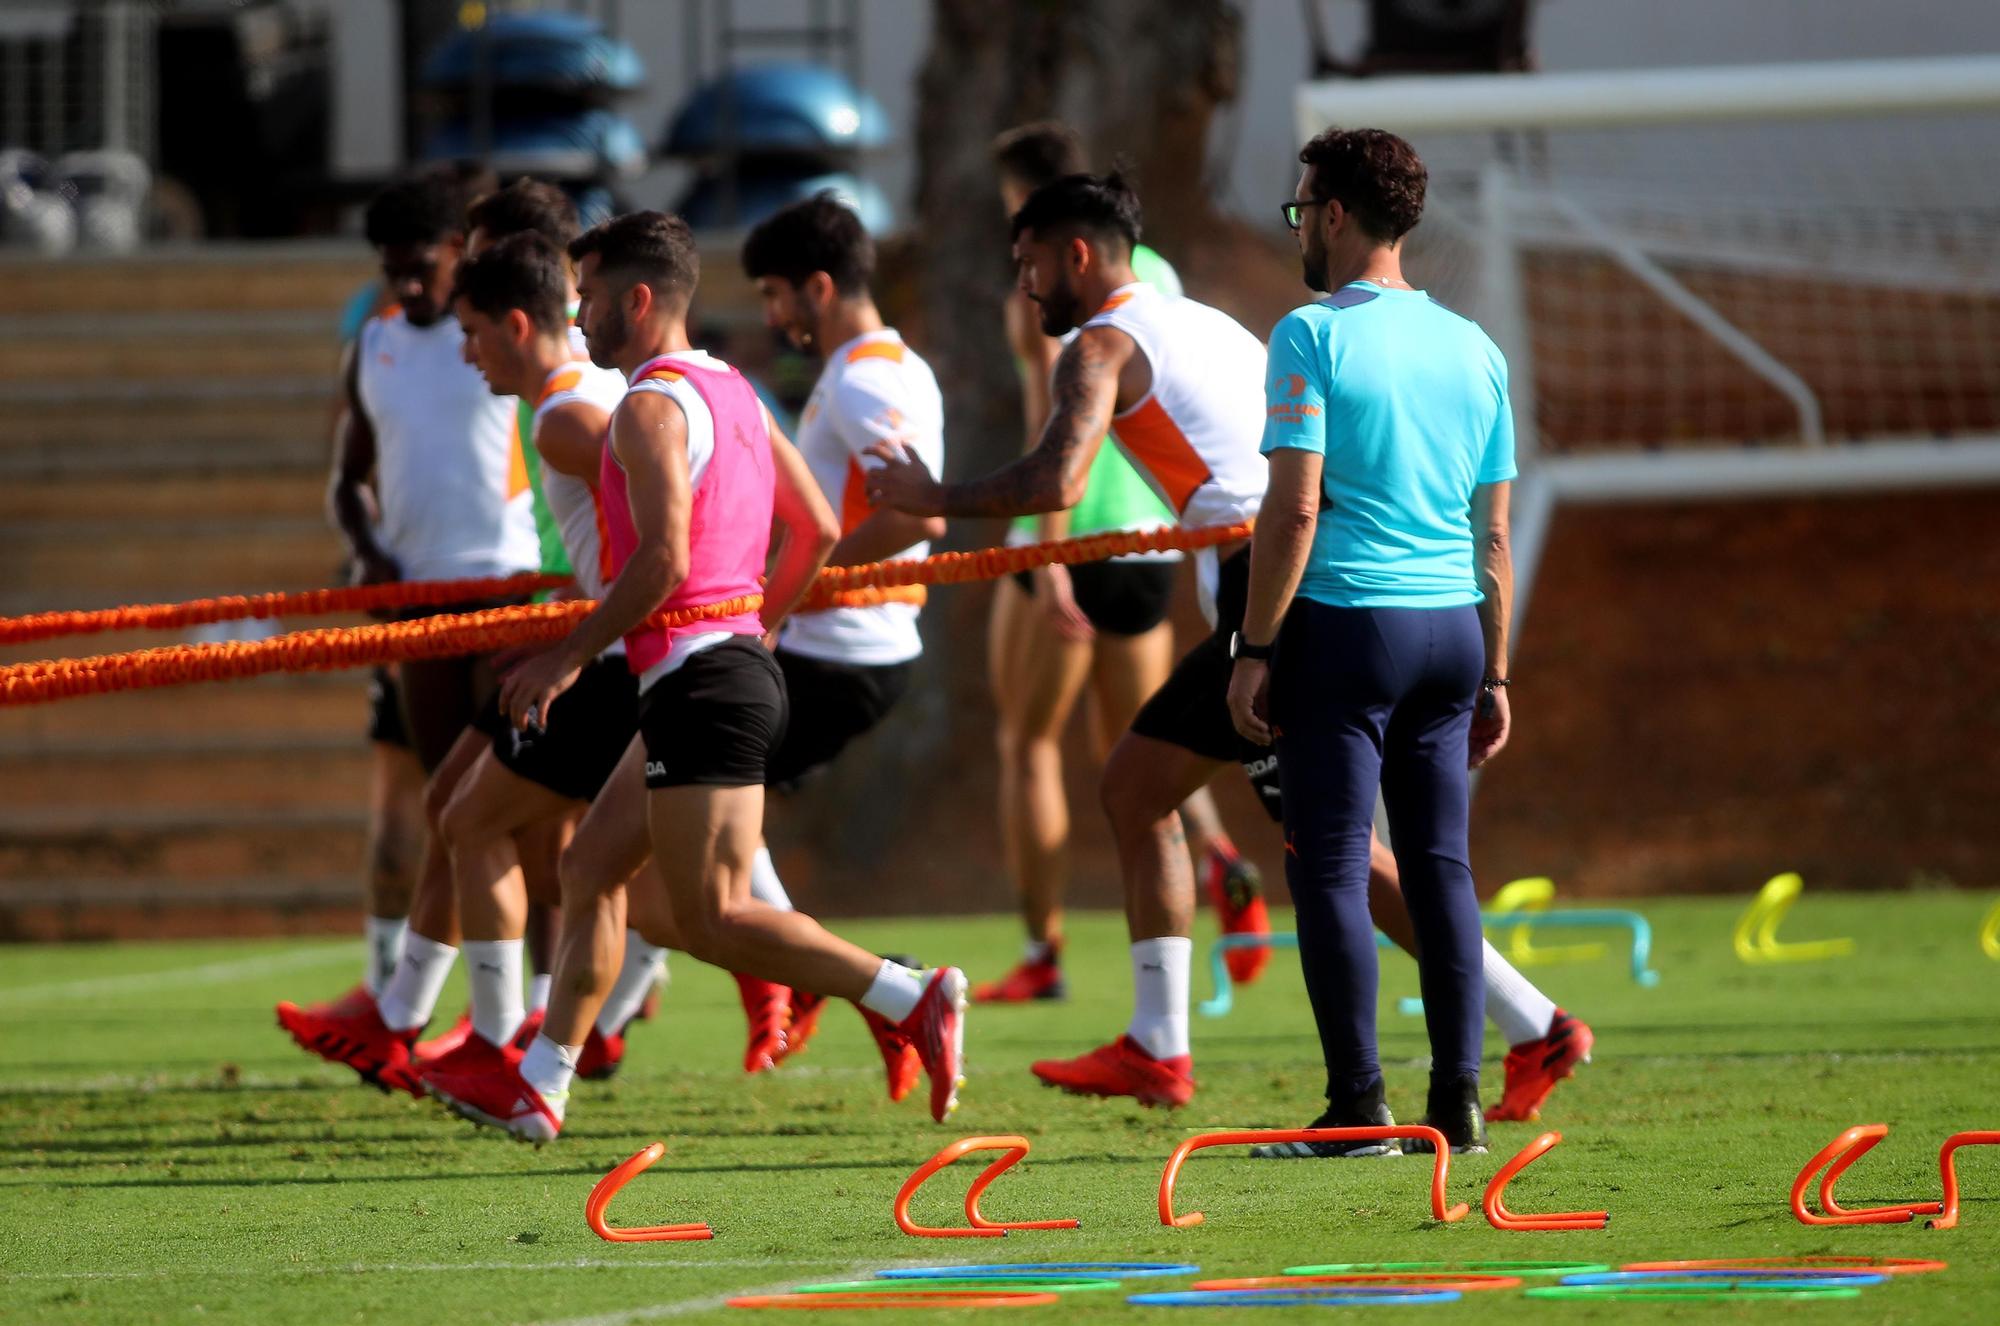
(1061, 311)
(1314, 271)
(607, 340)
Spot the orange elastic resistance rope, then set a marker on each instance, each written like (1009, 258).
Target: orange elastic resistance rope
(478, 632)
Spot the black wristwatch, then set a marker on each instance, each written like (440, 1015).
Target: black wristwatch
(1241, 648)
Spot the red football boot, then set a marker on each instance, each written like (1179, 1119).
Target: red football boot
(346, 1005)
(1122, 1068)
(362, 1042)
(531, 1027)
(473, 1054)
(769, 1008)
(1236, 892)
(600, 1057)
(1031, 979)
(498, 1098)
(806, 1008)
(899, 1057)
(1534, 1067)
(442, 1044)
(935, 1029)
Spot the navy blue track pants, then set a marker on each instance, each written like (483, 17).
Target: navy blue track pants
(1380, 697)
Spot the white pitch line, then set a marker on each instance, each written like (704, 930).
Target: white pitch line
(657, 1311)
(213, 973)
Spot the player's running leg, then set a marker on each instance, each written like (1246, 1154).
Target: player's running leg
(1145, 780)
(1037, 676)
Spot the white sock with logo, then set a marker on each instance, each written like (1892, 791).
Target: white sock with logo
(1517, 1008)
(538, 991)
(765, 886)
(1160, 995)
(384, 935)
(643, 964)
(493, 975)
(1038, 951)
(411, 995)
(549, 1069)
(895, 991)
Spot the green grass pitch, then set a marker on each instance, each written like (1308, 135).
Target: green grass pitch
(167, 1154)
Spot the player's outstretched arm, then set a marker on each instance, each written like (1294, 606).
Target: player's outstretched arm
(804, 531)
(1054, 475)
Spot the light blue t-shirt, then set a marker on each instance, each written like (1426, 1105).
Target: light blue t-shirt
(1407, 402)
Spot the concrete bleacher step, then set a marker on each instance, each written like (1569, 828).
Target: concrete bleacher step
(166, 350)
(51, 563)
(186, 843)
(221, 278)
(296, 711)
(177, 777)
(299, 494)
(285, 424)
(285, 892)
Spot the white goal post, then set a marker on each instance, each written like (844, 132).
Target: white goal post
(1714, 283)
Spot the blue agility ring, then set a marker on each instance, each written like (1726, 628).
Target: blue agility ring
(1343, 1296)
(1790, 1276)
(1106, 1270)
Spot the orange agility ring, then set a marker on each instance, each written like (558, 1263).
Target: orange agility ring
(607, 1188)
(1836, 1156)
(1809, 1261)
(899, 1298)
(1432, 1281)
(977, 1225)
(1440, 1164)
(1948, 1165)
(1495, 1205)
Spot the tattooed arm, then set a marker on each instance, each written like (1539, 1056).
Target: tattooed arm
(1053, 476)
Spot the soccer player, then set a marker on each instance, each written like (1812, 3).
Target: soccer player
(844, 667)
(449, 500)
(1180, 387)
(1101, 625)
(512, 300)
(699, 491)
(1382, 554)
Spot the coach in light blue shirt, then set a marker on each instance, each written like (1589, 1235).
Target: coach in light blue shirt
(1374, 648)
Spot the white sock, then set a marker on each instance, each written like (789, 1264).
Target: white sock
(548, 1068)
(1160, 995)
(493, 971)
(635, 978)
(385, 949)
(895, 991)
(1518, 1009)
(538, 991)
(1038, 951)
(412, 993)
(765, 886)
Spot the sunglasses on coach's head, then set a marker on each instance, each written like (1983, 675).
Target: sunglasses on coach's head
(1294, 211)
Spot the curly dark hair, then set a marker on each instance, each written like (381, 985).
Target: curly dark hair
(1039, 152)
(1375, 175)
(820, 234)
(522, 271)
(1102, 206)
(651, 248)
(423, 209)
(526, 204)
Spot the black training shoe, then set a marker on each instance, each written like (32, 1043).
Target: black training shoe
(1368, 1110)
(1454, 1111)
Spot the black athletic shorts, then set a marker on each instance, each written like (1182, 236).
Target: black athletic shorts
(582, 738)
(1119, 598)
(385, 710)
(831, 705)
(1191, 708)
(716, 719)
